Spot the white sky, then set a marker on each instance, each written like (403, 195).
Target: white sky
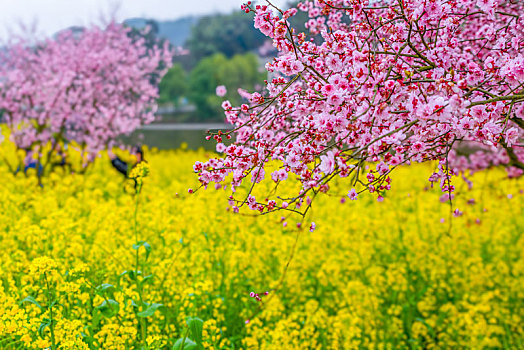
(51, 16)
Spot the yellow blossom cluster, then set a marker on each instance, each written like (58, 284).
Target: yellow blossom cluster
(139, 172)
(79, 272)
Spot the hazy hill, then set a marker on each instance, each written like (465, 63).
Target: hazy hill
(176, 31)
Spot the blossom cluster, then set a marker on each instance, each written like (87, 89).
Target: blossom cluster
(86, 87)
(391, 81)
(371, 276)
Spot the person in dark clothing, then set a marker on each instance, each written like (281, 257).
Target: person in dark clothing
(123, 167)
(120, 165)
(30, 163)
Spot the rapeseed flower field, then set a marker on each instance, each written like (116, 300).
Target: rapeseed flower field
(89, 264)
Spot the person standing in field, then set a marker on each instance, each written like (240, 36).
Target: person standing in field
(123, 167)
(120, 165)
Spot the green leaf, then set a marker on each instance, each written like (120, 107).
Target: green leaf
(188, 344)
(196, 326)
(137, 245)
(104, 287)
(88, 336)
(148, 249)
(147, 278)
(150, 310)
(108, 308)
(45, 323)
(97, 316)
(131, 273)
(55, 302)
(146, 246)
(31, 300)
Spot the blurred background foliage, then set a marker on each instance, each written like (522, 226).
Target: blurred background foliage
(230, 35)
(239, 71)
(219, 49)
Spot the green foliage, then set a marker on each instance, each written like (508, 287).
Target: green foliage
(241, 71)
(195, 329)
(173, 85)
(31, 300)
(104, 288)
(218, 45)
(150, 310)
(108, 308)
(144, 244)
(185, 344)
(227, 34)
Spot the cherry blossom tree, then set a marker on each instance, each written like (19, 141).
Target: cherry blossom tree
(86, 87)
(382, 83)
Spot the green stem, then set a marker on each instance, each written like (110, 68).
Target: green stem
(141, 321)
(184, 339)
(50, 307)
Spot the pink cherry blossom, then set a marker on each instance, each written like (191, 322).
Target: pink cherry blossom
(388, 82)
(221, 91)
(88, 88)
(327, 162)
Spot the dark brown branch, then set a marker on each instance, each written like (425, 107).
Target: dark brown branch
(513, 159)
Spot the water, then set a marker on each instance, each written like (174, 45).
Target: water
(170, 136)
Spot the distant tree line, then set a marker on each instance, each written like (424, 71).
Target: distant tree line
(220, 53)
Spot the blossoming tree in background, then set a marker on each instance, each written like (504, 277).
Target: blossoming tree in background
(390, 82)
(87, 87)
